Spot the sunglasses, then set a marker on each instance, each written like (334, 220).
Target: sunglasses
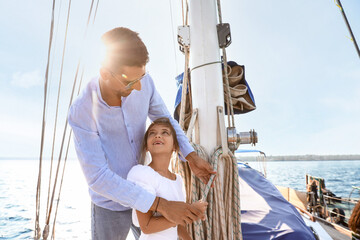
(129, 84)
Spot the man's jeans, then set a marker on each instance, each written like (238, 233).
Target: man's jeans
(111, 225)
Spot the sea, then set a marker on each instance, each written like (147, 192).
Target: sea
(18, 181)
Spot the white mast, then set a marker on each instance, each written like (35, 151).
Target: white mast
(206, 81)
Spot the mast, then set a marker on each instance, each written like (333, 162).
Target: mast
(206, 73)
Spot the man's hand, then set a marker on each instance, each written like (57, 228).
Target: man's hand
(200, 167)
(180, 212)
(202, 206)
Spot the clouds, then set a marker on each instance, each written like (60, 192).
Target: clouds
(27, 79)
(302, 69)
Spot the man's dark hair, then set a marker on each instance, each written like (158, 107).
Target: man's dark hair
(124, 47)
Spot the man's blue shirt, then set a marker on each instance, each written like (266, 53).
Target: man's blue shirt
(108, 141)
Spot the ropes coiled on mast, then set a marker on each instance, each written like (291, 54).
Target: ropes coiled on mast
(224, 212)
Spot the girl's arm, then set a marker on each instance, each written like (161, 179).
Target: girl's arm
(151, 224)
(182, 233)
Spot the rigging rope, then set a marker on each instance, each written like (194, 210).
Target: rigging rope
(57, 108)
(65, 160)
(182, 12)
(61, 184)
(186, 81)
(49, 208)
(96, 9)
(223, 213)
(38, 187)
(348, 26)
(184, 88)
(66, 123)
(46, 229)
(230, 108)
(173, 35)
(54, 53)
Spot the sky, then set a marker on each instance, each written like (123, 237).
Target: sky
(299, 62)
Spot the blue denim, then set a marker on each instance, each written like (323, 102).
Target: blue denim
(111, 225)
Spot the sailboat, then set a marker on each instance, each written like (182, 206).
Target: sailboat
(207, 128)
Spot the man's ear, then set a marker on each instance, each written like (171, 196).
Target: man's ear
(105, 74)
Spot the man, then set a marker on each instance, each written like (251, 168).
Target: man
(108, 120)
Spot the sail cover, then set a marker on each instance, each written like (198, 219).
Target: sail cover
(265, 214)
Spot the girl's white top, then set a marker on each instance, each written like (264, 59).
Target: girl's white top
(152, 181)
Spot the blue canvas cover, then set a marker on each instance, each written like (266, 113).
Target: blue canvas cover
(265, 214)
(179, 81)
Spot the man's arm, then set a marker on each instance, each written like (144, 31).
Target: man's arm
(200, 167)
(100, 178)
(151, 224)
(179, 212)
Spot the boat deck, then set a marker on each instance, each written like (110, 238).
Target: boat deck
(335, 234)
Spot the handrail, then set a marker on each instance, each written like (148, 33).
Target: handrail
(342, 199)
(312, 218)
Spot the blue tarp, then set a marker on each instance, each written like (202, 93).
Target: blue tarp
(265, 214)
(179, 81)
(249, 151)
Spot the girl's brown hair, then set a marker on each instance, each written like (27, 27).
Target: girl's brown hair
(164, 121)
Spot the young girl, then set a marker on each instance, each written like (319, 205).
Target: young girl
(160, 140)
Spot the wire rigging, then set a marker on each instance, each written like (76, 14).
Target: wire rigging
(66, 122)
(46, 90)
(230, 108)
(49, 93)
(38, 187)
(47, 220)
(96, 9)
(57, 105)
(173, 36)
(186, 81)
(348, 26)
(224, 211)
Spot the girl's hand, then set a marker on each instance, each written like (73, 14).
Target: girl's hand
(201, 206)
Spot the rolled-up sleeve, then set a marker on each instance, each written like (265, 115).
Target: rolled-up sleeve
(100, 178)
